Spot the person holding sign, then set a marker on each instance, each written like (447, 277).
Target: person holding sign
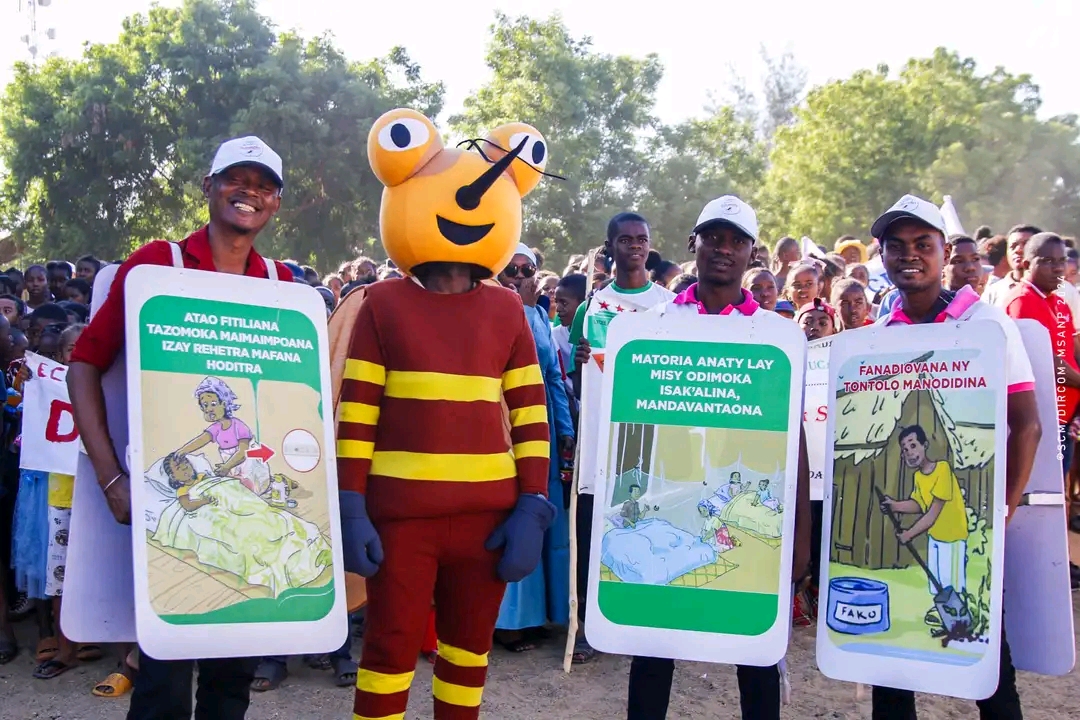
(912, 234)
(722, 243)
(631, 291)
(243, 191)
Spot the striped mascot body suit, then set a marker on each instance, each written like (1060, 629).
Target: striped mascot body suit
(438, 503)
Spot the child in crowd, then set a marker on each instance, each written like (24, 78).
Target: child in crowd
(681, 282)
(859, 272)
(850, 297)
(817, 319)
(804, 283)
(762, 285)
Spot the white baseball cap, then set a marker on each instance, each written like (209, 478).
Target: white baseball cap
(731, 210)
(248, 150)
(523, 249)
(913, 208)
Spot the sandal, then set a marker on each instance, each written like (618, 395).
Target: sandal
(269, 676)
(47, 649)
(50, 669)
(8, 650)
(583, 652)
(114, 686)
(89, 653)
(519, 645)
(344, 671)
(317, 662)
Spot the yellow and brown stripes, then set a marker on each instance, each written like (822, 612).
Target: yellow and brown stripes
(523, 388)
(358, 418)
(381, 696)
(458, 685)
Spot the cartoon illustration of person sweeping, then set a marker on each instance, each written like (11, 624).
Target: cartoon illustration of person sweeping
(938, 500)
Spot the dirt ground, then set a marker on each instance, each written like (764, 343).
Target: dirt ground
(531, 685)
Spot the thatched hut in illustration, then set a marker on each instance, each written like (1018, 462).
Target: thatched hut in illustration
(867, 455)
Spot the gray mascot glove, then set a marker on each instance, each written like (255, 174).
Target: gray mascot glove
(360, 543)
(523, 536)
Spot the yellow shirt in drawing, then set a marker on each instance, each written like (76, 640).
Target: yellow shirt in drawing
(941, 484)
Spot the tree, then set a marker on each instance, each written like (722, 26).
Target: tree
(590, 107)
(107, 152)
(690, 164)
(938, 127)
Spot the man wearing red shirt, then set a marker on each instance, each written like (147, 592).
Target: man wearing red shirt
(1033, 298)
(243, 191)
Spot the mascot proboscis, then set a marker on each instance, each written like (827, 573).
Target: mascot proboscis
(439, 502)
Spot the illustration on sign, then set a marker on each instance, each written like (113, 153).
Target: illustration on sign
(695, 507)
(231, 414)
(913, 505)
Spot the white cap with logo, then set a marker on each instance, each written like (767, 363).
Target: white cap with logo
(731, 210)
(248, 150)
(909, 207)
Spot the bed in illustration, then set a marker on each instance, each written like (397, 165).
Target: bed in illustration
(686, 510)
(221, 529)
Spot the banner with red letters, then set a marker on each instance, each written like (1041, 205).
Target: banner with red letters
(50, 442)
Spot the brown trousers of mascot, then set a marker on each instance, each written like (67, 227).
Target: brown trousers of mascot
(441, 559)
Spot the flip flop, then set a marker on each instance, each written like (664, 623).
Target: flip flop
(47, 649)
(269, 676)
(317, 662)
(50, 669)
(344, 672)
(114, 686)
(518, 646)
(8, 650)
(89, 653)
(583, 652)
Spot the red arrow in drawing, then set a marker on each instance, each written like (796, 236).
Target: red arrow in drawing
(262, 452)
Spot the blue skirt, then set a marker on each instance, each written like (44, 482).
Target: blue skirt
(544, 596)
(30, 533)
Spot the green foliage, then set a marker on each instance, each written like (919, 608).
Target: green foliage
(107, 152)
(938, 127)
(104, 153)
(590, 107)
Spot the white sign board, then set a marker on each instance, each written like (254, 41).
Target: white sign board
(1038, 599)
(696, 487)
(235, 523)
(100, 596)
(914, 516)
(816, 412)
(50, 442)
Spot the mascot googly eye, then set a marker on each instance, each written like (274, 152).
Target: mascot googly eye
(530, 163)
(450, 205)
(400, 143)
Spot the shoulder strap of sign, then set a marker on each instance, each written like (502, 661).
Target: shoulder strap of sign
(177, 256)
(178, 262)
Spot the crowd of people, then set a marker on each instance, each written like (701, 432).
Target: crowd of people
(1026, 272)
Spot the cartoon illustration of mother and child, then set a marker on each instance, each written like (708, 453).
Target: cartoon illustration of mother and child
(714, 530)
(218, 404)
(247, 531)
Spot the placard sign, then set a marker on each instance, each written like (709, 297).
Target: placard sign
(914, 515)
(50, 442)
(695, 497)
(1038, 599)
(816, 412)
(99, 597)
(236, 531)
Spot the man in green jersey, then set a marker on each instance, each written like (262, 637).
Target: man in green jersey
(631, 291)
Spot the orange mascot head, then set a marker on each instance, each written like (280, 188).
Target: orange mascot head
(448, 205)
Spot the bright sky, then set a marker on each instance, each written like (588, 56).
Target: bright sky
(698, 42)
